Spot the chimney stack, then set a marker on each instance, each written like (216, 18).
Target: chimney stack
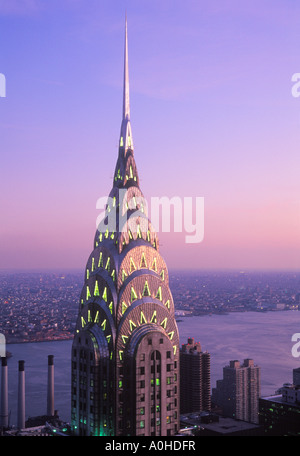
(21, 396)
(50, 390)
(4, 394)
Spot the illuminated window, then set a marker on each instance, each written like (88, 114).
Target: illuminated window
(88, 294)
(132, 265)
(143, 263)
(124, 338)
(146, 291)
(132, 325)
(164, 323)
(139, 233)
(159, 294)
(153, 318)
(124, 307)
(96, 289)
(104, 295)
(133, 295)
(107, 266)
(143, 318)
(96, 319)
(124, 275)
(100, 262)
(154, 265)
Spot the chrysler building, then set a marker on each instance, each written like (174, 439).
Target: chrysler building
(125, 353)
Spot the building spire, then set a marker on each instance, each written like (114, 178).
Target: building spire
(126, 142)
(126, 103)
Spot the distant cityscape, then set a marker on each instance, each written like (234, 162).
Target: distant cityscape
(44, 305)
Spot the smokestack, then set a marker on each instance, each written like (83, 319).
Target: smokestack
(21, 396)
(4, 394)
(50, 390)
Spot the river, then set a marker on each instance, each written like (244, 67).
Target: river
(263, 336)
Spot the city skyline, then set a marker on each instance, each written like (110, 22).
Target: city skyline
(211, 101)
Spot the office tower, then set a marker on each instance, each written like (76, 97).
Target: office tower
(4, 394)
(296, 376)
(238, 393)
(125, 353)
(279, 414)
(194, 378)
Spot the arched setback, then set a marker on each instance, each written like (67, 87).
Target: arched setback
(143, 287)
(150, 387)
(144, 258)
(142, 314)
(99, 287)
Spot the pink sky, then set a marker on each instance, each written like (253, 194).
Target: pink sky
(212, 116)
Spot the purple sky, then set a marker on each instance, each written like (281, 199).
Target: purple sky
(211, 111)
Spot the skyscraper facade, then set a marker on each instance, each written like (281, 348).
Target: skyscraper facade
(125, 353)
(194, 378)
(239, 391)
